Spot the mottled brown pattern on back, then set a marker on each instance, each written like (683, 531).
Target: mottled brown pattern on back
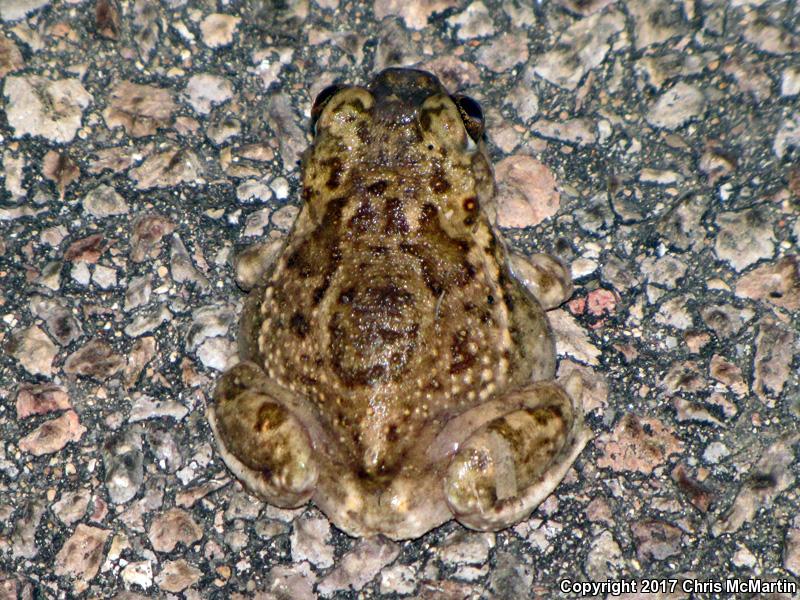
(386, 310)
(388, 353)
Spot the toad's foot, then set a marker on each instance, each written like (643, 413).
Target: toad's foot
(262, 443)
(508, 466)
(546, 277)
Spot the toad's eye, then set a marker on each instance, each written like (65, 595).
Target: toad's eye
(471, 114)
(321, 100)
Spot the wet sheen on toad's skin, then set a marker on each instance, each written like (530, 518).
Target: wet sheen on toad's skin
(393, 371)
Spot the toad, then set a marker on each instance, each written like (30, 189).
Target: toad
(393, 370)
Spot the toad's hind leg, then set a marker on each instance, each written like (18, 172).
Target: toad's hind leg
(512, 463)
(260, 440)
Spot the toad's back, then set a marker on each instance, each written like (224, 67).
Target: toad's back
(387, 354)
(392, 307)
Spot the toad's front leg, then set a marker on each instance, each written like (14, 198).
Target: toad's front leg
(545, 276)
(508, 466)
(260, 439)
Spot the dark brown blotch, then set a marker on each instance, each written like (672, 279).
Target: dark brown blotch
(363, 132)
(294, 259)
(346, 295)
(308, 380)
(461, 358)
(396, 221)
(425, 116)
(335, 172)
(507, 296)
(513, 436)
(425, 120)
(428, 215)
(438, 181)
(299, 324)
(434, 385)
(543, 415)
(509, 300)
(377, 188)
(319, 291)
(365, 218)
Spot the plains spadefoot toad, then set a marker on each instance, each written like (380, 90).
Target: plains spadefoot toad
(393, 370)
